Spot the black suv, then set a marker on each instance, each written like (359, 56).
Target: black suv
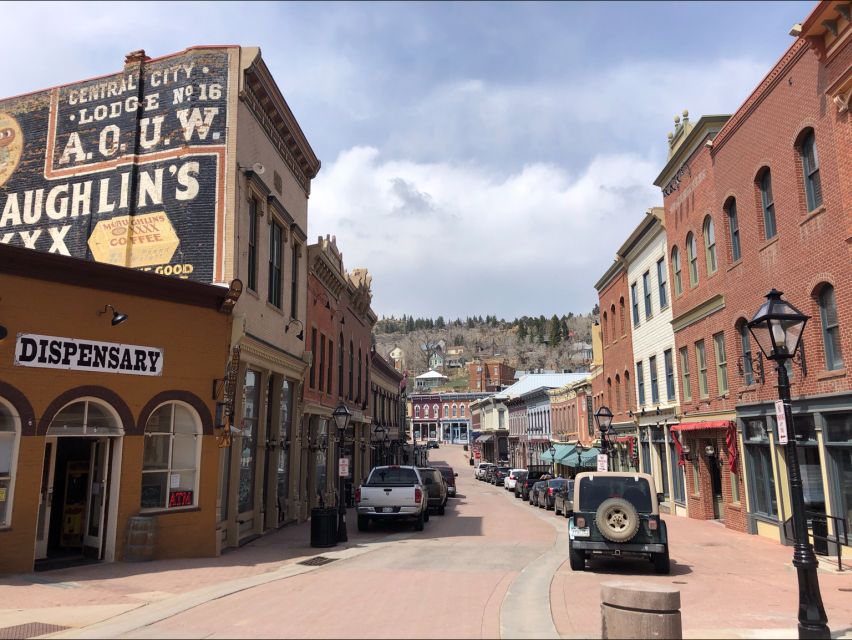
(529, 481)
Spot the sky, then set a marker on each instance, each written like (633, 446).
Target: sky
(478, 158)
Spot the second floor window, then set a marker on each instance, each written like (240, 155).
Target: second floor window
(252, 245)
(661, 280)
(830, 328)
(294, 282)
(748, 366)
(721, 363)
(768, 205)
(640, 383)
(810, 166)
(710, 245)
(692, 258)
(275, 243)
(678, 282)
(646, 290)
(670, 385)
(655, 390)
(701, 356)
(684, 374)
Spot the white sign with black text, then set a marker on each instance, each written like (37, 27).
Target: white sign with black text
(52, 352)
(603, 462)
(781, 417)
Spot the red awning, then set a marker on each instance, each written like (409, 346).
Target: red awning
(624, 438)
(697, 426)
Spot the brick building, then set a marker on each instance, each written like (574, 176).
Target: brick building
(489, 375)
(339, 324)
(388, 411)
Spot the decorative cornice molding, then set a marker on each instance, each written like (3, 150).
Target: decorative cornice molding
(698, 312)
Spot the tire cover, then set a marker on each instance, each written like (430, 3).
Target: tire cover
(617, 520)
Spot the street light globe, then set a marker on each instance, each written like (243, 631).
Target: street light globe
(341, 416)
(777, 327)
(603, 416)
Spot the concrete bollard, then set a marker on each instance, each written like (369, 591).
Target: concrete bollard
(640, 611)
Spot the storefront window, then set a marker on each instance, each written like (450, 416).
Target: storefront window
(9, 437)
(761, 478)
(248, 440)
(170, 458)
(678, 485)
(285, 423)
(839, 448)
(321, 458)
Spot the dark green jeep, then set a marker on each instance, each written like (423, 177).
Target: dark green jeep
(617, 514)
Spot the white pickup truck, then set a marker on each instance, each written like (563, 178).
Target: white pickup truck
(392, 493)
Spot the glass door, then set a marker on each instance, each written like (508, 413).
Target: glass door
(45, 498)
(97, 490)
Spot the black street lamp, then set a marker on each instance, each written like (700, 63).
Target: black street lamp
(777, 328)
(341, 416)
(380, 433)
(552, 452)
(603, 416)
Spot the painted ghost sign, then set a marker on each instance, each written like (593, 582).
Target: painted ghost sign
(125, 169)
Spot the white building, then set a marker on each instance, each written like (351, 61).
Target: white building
(655, 358)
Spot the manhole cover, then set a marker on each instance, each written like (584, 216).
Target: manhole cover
(29, 630)
(318, 561)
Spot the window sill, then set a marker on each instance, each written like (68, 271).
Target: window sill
(831, 374)
(252, 293)
(277, 310)
(664, 307)
(735, 264)
(768, 243)
(165, 512)
(812, 214)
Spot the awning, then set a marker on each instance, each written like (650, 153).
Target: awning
(485, 437)
(698, 426)
(590, 458)
(562, 451)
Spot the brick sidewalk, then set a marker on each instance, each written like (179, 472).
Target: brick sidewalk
(732, 585)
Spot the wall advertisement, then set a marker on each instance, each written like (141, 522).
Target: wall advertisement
(126, 169)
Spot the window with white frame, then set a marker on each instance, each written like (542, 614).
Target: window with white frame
(461, 411)
(171, 457)
(446, 411)
(10, 436)
(417, 411)
(710, 244)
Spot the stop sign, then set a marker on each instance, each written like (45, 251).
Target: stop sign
(476, 455)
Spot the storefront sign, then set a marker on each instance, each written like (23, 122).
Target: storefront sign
(180, 499)
(781, 417)
(126, 169)
(51, 352)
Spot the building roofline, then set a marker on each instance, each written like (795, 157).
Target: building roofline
(651, 220)
(706, 125)
(609, 274)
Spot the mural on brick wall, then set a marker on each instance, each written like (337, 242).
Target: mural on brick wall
(126, 169)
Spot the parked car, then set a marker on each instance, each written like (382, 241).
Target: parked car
(617, 514)
(432, 444)
(489, 473)
(392, 493)
(499, 475)
(479, 472)
(529, 481)
(563, 500)
(550, 490)
(520, 476)
(449, 477)
(436, 487)
(537, 493)
(511, 480)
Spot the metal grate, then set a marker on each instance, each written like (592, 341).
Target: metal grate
(29, 630)
(316, 561)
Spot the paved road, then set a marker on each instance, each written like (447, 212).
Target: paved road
(491, 567)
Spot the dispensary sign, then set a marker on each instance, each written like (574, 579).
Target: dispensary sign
(125, 169)
(52, 352)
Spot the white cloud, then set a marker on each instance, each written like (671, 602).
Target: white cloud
(458, 239)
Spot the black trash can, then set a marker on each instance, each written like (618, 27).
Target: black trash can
(819, 528)
(324, 527)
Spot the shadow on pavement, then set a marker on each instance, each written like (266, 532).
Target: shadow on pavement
(632, 567)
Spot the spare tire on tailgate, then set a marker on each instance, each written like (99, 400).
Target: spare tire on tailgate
(617, 520)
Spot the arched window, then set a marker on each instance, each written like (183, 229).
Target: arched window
(609, 391)
(604, 325)
(462, 410)
(612, 320)
(767, 203)
(628, 396)
(733, 229)
(171, 457)
(710, 244)
(417, 411)
(435, 411)
(85, 417)
(340, 354)
(745, 342)
(617, 393)
(830, 328)
(621, 314)
(10, 438)
(360, 377)
(810, 167)
(446, 411)
(678, 282)
(455, 410)
(692, 258)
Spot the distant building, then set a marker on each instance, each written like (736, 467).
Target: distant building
(397, 357)
(490, 375)
(429, 380)
(455, 357)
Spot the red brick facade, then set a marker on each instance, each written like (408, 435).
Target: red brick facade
(489, 375)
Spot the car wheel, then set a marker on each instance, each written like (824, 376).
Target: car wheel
(566, 514)
(556, 511)
(441, 510)
(661, 561)
(426, 515)
(363, 523)
(577, 559)
(617, 520)
(418, 524)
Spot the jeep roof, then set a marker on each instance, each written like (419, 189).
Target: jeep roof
(578, 483)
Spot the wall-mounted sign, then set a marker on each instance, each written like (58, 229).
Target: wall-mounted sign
(126, 169)
(52, 352)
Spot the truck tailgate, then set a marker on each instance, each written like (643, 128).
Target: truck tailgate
(387, 497)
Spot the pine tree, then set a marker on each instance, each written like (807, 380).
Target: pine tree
(439, 323)
(522, 332)
(555, 331)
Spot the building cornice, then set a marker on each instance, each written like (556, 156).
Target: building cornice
(610, 274)
(698, 312)
(706, 126)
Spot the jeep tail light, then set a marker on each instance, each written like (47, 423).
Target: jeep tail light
(418, 495)
(550, 491)
(580, 521)
(358, 494)
(653, 524)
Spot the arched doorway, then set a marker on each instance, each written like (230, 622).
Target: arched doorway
(79, 488)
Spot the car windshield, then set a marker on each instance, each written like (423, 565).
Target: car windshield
(535, 475)
(389, 476)
(503, 469)
(446, 472)
(595, 489)
(557, 483)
